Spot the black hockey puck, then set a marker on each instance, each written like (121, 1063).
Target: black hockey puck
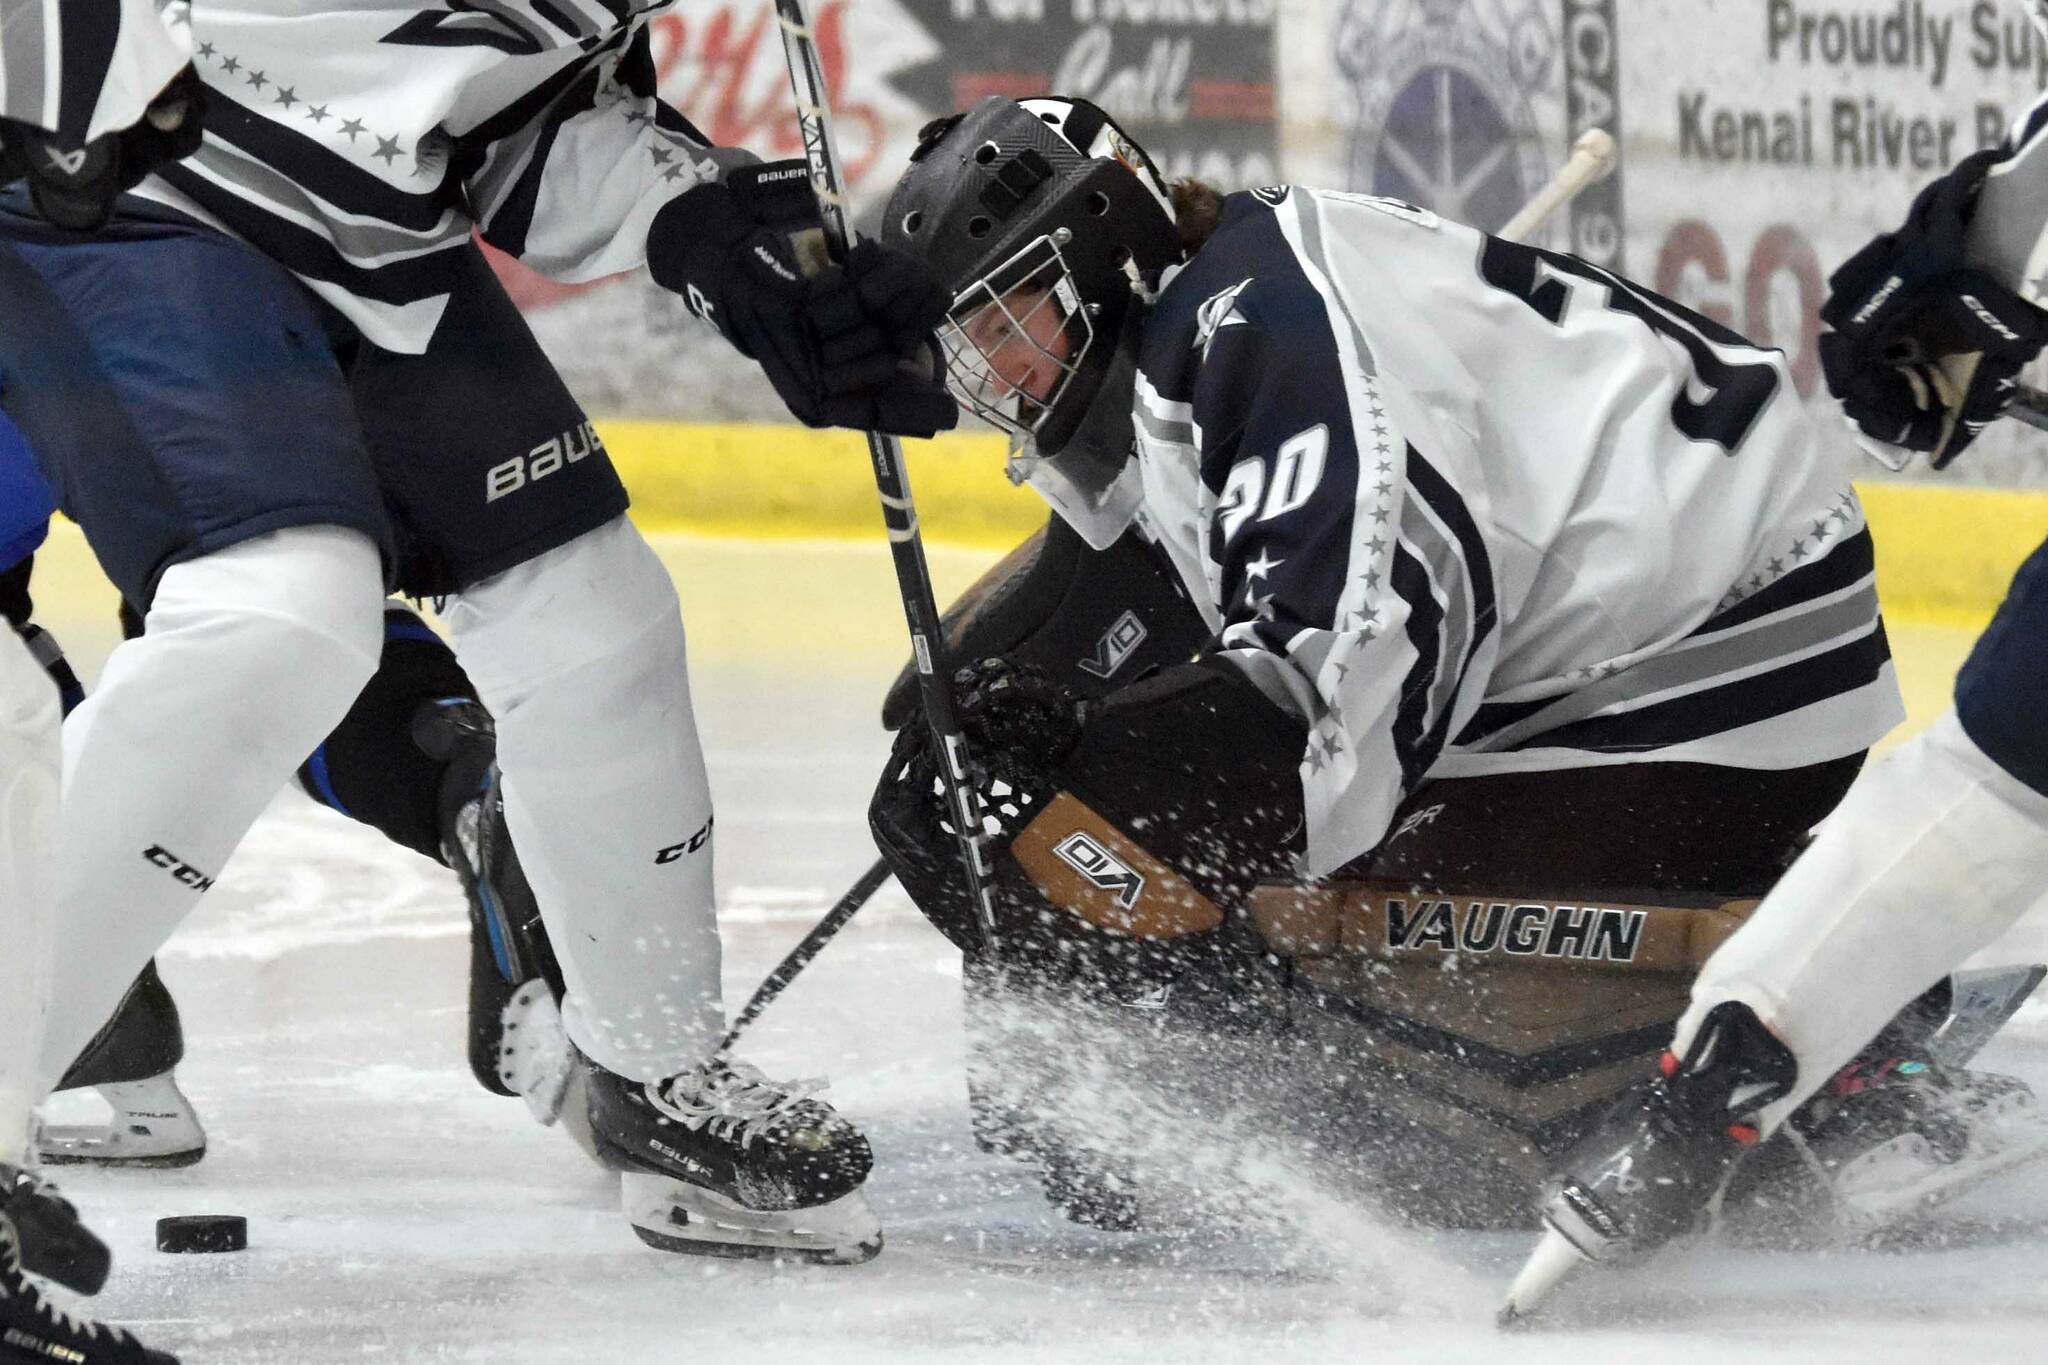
(203, 1232)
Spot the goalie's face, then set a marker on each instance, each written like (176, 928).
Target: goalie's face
(1012, 350)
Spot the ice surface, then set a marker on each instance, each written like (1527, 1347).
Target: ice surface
(398, 1213)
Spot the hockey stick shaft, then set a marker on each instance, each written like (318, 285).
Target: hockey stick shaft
(892, 482)
(1593, 158)
(2030, 405)
(800, 957)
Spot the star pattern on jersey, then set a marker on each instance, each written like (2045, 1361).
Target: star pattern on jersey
(1263, 565)
(1838, 520)
(1363, 619)
(287, 100)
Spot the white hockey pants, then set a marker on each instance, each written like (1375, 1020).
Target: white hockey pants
(250, 656)
(1934, 854)
(579, 655)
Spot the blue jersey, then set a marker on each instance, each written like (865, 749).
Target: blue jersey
(25, 502)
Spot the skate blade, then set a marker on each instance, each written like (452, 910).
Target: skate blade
(1904, 1177)
(671, 1215)
(152, 1125)
(1553, 1261)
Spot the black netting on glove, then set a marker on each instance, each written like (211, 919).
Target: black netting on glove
(1018, 721)
(1926, 351)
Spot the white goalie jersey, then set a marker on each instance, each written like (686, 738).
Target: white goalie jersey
(1470, 507)
(360, 142)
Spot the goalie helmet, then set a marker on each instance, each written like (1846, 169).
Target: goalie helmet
(1050, 227)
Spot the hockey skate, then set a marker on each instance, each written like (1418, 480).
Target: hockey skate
(131, 1064)
(516, 1045)
(722, 1161)
(1890, 1137)
(1651, 1171)
(40, 1234)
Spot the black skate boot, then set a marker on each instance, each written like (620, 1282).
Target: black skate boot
(1650, 1171)
(1887, 1138)
(132, 1064)
(49, 1238)
(723, 1161)
(41, 1234)
(516, 1046)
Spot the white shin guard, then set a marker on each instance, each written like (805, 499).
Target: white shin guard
(579, 655)
(29, 757)
(250, 657)
(1935, 852)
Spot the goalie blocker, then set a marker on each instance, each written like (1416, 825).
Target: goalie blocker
(1443, 1016)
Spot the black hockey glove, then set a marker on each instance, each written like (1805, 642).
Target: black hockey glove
(74, 186)
(1018, 722)
(1926, 351)
(845, 344)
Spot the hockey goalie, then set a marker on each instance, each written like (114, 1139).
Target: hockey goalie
(1439, 645)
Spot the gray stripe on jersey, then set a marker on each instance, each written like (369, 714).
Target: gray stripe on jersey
(366, 245)
(25, 58)
(1434, 545)
(1162, 418)
(505, 160)
(1700, 662)
(1308, 212)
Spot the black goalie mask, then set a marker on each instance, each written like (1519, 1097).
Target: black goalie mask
(1051, 228)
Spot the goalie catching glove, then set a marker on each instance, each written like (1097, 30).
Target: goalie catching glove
(1926, 351)
(847, 343)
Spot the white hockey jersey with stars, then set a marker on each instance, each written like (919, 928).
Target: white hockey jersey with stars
(359, 143)
(1470, 507)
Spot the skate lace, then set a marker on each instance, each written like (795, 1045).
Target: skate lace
(730, 1099)
(15, 1283)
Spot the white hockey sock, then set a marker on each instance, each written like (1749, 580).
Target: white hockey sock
(250, 656)
(579, 655)
(29, 756)
(1934, 853)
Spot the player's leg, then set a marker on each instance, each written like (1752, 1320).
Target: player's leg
(416, 759)
(1936, 851)
(29, 765)
(187, 406)
(569, 627)
(40, 1233)
(132, 1061)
